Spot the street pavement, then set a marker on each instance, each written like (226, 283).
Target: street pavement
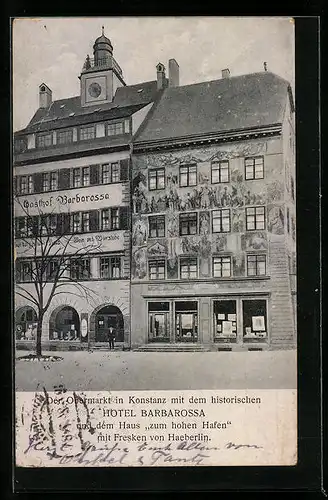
(121, 370)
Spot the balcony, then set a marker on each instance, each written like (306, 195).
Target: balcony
(101, 63)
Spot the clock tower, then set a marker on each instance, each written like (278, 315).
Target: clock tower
(101, 75)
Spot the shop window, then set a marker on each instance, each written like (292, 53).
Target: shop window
(80, 269)
(255, 218)
(110, 267)
(254, 320)
(188, 175)
(256, 265)
(115, 128)
(225, 320)
(186, 321)
(158, 322)
(156, 179)
(219, 172)
(65, 325)
(254, 168)
(157, 226)
(188, 223)
(221, 267)
(87, 133)
(26, 324)
(188, 268)
(156, 269)
(64, 136)
(221, 221)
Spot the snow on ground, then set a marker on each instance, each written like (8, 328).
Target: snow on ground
(121, 370)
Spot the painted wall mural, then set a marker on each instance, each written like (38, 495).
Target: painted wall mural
(202, 198)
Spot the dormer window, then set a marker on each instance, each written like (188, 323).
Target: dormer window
(64, 136)
(44, 140)
(88, 132)
(115, 128)
(20, 145)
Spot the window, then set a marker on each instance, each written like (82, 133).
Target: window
(221, 267)
(254, 320)
(188, 175)
(220, 171)
(76, 222)
(64, 136)
(158, 322)
(115, 128)
(43, 140)
(52, 269)
(45, 182)
(157, 226)
(110, 173)
(254, 168)
(156, 269)
(85, 176)
(255, 218)
(256, 265)
(188, 223)
(53, 181)
(24, 270)
(110, 267)
(25, 184)
(105, 220)
(20, 145)
(80, 268)
(76, 177)
(225, 320)
(85, 222)
(87, 133)
(188, 268)
(186, 321)
(115, 218)
(52, 223)
(23, 227)
(221, 221)
(156, 179)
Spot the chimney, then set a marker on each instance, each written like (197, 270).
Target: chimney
(161, 80)
(173, 73)
(45, 96)
(265, 66)
(226, 73)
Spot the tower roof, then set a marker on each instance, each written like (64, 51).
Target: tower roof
(102, 39)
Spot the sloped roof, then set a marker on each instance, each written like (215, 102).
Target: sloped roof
(69, 112)
(235, 103)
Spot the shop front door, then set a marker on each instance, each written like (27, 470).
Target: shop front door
(186, 321)
(105, 318)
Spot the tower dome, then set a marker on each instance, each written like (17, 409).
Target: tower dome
(102, 49)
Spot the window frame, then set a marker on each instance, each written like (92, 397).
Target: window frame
(154, 263)
(221, 258)
(188, 261)
(253, 159)
(187, 166)
(110, 173)
(156, 171)
(110, 259)
(76, 262)
(85, 127)
(257, 258)
(114, 124)
(20, 276)
(256, 222)
(68, 132)
(41, 137)
(185, 217)
(158, 219)
(220, 163)
(221, 218)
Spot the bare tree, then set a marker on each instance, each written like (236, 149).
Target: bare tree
(52, 259)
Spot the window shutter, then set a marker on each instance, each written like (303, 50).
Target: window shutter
(64, 178)
(37, 182)
(94, 220)
(124, 167)
(94, 174)
(124, 217)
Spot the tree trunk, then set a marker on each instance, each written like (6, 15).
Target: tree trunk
(38, 348)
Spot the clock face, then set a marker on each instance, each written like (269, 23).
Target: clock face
(94, 89)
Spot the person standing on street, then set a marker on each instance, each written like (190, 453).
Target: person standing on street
(111, 338)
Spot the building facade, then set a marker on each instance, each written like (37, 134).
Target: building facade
(72, 171)
(213, 224)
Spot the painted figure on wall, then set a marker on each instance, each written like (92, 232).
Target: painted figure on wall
(139, 263)
(220, 243)
(204, 224)
(256, 241)
(139, 236)
(172, 268)
(276, 220)
(238, 264)
(173, 225)
(237, 221)
(189, 244)
(275, 191)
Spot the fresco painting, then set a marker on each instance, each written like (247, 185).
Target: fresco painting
(276, 220)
